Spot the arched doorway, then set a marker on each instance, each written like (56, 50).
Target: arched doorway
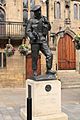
(66, 53)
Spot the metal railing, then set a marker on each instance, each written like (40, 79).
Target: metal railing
(12, 29)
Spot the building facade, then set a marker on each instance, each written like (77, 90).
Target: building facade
(64, 16)
(12, 69)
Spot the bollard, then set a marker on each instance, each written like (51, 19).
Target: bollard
(29, 104)
(29, 108)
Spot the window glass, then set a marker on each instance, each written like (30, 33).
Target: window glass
(2, 1)
(57, 10)
(25, 10)
(2, 15)
(0, 59)
(79, 11)
(75, 11)
(25, 3)
(32, 2)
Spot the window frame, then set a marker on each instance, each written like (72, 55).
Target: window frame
(76, 11)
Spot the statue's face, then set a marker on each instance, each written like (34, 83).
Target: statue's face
(37, 13)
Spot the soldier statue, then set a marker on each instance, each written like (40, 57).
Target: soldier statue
(37, 30)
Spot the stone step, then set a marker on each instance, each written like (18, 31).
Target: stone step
(71, 84)
(69, 79)
(64, 86)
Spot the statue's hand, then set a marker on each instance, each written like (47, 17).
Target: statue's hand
(43, 38)
(35, 34)
(45, 20)
(33, 39)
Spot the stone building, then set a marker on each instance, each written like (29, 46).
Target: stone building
(12, 69)
(15, 69)
(64, 16)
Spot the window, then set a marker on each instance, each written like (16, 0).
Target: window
(2, 15)
(25, 3)
(79, 11)
(2, 1)
(25, 10)
(32, 2)
(2, 60)
(75, 11)
(25, 15)
(57, 10)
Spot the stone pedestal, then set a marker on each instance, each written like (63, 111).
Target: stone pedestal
(46, 100)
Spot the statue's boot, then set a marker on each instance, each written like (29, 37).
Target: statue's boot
(50, 72)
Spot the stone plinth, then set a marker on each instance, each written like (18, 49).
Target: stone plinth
(46, 100)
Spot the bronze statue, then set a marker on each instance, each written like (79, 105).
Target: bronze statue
(37, 30)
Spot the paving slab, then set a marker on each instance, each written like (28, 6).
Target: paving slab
(71, 103)
(12, 100)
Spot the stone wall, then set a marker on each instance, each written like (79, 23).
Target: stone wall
(78, 60)
(14, 73)
(14, 10)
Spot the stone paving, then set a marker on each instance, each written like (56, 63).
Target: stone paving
(71, 103)
(71, 96)
(13, 99)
